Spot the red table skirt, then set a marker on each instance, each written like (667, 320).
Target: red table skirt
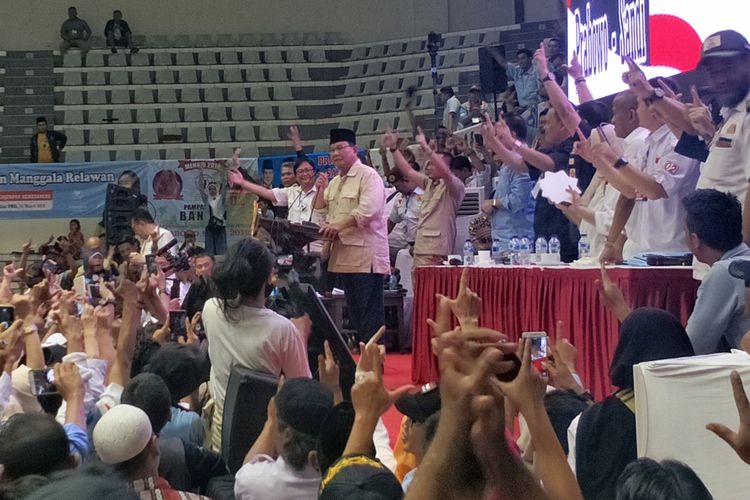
(518, 299)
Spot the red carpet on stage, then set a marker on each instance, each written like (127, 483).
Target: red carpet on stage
(397, 373)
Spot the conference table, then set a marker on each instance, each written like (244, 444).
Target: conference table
(516, 299)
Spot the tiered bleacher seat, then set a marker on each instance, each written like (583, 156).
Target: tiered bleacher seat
(201, 83)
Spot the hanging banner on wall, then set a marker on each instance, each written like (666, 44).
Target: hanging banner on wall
(175, 191)
(60, 190)
(179, 192)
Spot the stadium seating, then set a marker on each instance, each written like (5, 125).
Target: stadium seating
(201, 83)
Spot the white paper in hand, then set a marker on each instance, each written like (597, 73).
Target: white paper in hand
(555, 186)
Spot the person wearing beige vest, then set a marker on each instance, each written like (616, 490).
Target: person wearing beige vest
(443, 194)
(353, 207)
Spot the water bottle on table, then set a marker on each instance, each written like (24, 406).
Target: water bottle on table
(524, 250)
(393, 282)
(554, 249)
(514, 248)
(497, 258)
(540, 248)
(468, 253)
(584, 247)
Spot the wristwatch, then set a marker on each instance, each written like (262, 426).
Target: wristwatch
(550, 77)
(656, 96)
(620, 163)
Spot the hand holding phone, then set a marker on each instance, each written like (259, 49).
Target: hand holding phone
(95, 296)
(7, 315)
(538, 349)
(42, 382)
(178, 325)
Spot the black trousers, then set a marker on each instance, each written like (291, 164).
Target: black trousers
(364, 300)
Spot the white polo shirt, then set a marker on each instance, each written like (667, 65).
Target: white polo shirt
(634, 152)
(300, 205)
(659, 225)
(405, 216)
(266, 478)
(727, 168)
(165, 236)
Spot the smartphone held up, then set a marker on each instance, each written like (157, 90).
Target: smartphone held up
(538, 349)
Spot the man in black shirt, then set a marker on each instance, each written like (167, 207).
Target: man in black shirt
(118, 34)
(46, 144)
(552, 155)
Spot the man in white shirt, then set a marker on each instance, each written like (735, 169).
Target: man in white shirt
(280, 462)
(298, 197)
(652, 190)
(404, 216)
(150, 235)
(453, 112)
(725, 57)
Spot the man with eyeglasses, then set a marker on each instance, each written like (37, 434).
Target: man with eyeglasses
(353, 207)
(297, 197)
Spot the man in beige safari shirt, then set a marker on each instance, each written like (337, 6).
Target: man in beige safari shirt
(443, 194)
(353, 207)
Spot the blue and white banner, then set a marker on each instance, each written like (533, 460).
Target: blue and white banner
(79, 190)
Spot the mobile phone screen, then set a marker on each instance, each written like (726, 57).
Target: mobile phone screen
(177, 324)
(7, 316)
(41, 382)
(538, 348)
(95, 295)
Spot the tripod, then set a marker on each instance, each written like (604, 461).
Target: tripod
(434, 41)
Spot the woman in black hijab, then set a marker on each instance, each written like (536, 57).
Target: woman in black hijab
(606, 438)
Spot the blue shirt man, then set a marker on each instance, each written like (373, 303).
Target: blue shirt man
(714, 235)
(525, 79)
(512, 210)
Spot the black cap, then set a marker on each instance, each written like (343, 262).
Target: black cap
(343, 134)
(725, 43)
(359, 477)
(418, 407)
(334, 432)
(303, 405)
(183, 367)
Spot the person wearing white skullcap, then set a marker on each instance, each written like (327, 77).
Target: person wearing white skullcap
(124, 439)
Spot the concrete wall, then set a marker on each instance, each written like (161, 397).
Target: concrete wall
(35, 24)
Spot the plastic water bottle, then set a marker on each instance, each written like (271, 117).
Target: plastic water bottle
(497, 257)
(514, 247)
(540, 247)
(584, 247)
(393, 282)
(468, 253)
(554, 248)
(524, 249)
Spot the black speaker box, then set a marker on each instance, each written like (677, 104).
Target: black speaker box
(245, 413)
(492, 76)
(117, 225)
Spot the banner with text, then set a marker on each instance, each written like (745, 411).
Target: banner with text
(175, 190)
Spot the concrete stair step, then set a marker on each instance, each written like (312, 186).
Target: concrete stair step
(15, 71)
